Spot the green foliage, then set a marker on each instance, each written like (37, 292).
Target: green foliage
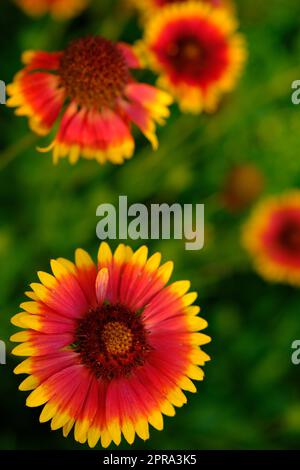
(250, 398)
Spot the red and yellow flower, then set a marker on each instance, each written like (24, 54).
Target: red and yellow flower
(272, 237)
(59, 9)
(111, 347)
(89, 91)
(196, 51)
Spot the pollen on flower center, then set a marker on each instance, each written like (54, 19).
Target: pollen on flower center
(112, 341)
(93, 72)
(117, 338)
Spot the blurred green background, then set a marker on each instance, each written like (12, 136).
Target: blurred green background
(251, 395)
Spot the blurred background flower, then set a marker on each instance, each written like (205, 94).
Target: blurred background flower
(272, 236)
(251, 395)
(59, 9)
(148, 7)
(196, 52)
(243, 184)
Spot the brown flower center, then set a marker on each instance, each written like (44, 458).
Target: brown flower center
(111, 341)
(290, 237)
(93, 72)
(185, 50)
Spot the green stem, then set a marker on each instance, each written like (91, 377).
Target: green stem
(12, 152)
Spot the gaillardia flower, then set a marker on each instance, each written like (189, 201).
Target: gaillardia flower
(196, 51)
(272, 237)
(110, 347)
(89, 90)
(59, 9)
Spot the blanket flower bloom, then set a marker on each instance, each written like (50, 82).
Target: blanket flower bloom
(111, 347)
(272, 237)
(59, 9)
(89, 90)
(196, 51)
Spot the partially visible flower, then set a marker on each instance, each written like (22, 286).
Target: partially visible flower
(272, 237)
(89, 90)
(111, 347)
(244, 183)
(196, 51)
(150, 6)
(59, 9)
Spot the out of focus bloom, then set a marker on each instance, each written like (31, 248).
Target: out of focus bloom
(111, 347)
(272, 237)
(151, 6)
(59, 9)
(88, 89)
(244, 183)
(196, 51)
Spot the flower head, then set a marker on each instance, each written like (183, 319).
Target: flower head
(89, 90)
(196, 51)
(111, 347)
(272, 237)
(59, 9)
